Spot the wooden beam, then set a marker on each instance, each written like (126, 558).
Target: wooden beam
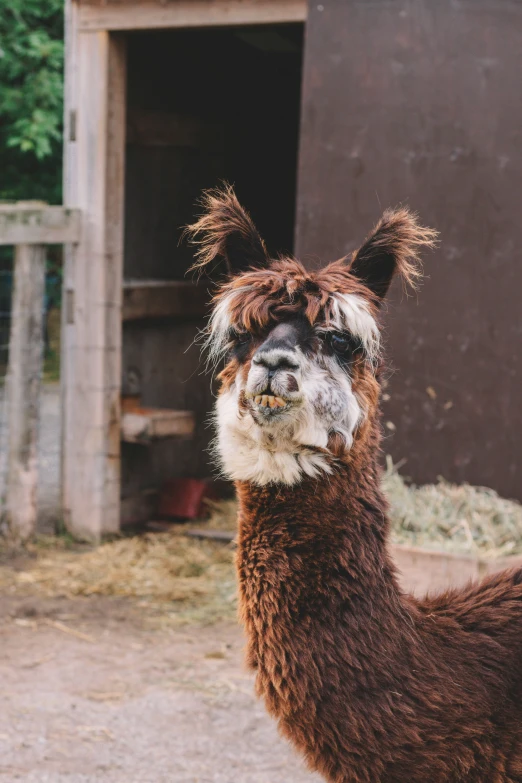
(163, 299)
(135, 15)
(67, 369)
(23, 391)
(94, 182)
(144, 425)
(37, 224)
(226, 536)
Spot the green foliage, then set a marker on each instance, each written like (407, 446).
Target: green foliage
(31, 95)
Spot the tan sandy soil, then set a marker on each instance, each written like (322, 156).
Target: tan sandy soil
(95, 689)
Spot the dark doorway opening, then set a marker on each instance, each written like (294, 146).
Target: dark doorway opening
(206, 105)
(203, 106)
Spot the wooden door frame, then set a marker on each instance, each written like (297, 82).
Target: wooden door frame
(94, 171)
(94, 167)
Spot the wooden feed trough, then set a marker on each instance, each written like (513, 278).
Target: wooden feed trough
(426, 570)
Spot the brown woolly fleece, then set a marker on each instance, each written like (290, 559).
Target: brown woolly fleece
(371, 684)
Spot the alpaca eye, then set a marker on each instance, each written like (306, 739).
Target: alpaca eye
(343, 346)
(340, 343)
(241, 338)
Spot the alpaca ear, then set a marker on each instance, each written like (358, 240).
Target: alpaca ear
(393, 247)
(225, 231)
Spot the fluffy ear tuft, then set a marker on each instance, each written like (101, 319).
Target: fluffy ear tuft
(393, 247)
(225, 231)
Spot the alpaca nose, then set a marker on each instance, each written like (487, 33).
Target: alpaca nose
(275, 360)
(279, 350)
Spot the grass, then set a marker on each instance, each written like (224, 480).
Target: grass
(194, 580)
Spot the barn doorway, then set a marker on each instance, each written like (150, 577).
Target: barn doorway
(203, 105)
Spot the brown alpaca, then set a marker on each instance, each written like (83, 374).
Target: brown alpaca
(369, 683)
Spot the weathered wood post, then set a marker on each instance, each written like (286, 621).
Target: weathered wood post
(29, 226)
(95, 127)
(23, 390)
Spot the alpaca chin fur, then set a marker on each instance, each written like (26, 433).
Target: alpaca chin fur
(247, 453)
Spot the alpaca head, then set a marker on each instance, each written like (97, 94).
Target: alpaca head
(301, 348)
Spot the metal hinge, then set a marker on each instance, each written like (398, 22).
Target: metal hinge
(72, 125)
(69, 306)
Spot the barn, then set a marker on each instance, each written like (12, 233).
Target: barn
(322, 114)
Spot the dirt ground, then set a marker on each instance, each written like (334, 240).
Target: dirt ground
(92, 689)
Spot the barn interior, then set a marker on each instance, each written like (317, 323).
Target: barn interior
(203, 106)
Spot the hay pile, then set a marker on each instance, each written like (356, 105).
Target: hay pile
(195, 578)
(458, 518)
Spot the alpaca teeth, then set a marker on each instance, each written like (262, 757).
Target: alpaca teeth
(269, 401)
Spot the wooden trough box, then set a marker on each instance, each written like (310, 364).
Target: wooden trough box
(420, 570)
(425, 570)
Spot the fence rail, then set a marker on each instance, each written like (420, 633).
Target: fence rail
(30, 223)
(30, 227)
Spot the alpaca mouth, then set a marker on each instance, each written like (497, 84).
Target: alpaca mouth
(267, 403)
(270, 401)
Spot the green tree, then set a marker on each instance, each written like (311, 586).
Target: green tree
(31, 98)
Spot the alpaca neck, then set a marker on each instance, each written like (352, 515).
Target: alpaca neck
(324, 615)
(332, 530)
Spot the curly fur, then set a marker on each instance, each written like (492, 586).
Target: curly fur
(330, 298)
(371, 685)
(225, 231)
(393, 247)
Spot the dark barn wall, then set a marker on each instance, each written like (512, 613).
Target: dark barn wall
(420, 102)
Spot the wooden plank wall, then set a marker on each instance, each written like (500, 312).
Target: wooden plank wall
(431, 122)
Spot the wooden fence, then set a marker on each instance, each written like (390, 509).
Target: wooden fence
(30, 227)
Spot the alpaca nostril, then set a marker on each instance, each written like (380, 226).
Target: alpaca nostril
(272, 371)
(275, 362)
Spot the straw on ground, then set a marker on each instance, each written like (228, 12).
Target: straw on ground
(196, 578)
